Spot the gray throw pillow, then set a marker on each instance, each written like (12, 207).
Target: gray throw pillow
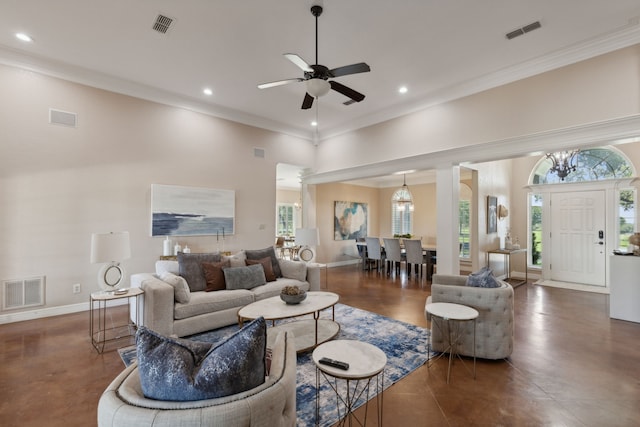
(175, 369)
(482, 279)
(266, 252)
(190, 268)
(244, 277)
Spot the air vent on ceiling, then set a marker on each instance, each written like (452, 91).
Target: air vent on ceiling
(526, 29)
(63, 118)
(162, 24)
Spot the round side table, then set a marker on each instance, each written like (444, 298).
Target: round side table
(366, 363)
(452, 317)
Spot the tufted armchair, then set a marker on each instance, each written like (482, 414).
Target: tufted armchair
(494, 325)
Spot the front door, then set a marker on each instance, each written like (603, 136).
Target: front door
(577, 237)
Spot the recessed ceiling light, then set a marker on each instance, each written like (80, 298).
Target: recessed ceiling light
(24, 37)
(314, 123)
(207, 91)
(403, 89)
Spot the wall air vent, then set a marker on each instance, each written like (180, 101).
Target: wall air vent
(162, 24)
(526, 29)
(258, 152)
(64, 118)
(21, 293)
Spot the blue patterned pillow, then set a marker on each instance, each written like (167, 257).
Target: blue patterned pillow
(176, 369)
(483, 279)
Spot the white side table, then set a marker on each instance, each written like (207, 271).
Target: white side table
(366, 362)
(452, 317)
(98, 331)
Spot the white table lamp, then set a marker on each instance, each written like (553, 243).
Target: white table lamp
(307, 238)
(110, 248)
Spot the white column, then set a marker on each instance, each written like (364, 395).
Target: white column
(447, 200)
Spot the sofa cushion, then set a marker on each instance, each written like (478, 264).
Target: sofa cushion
(273, 289)
(183, 370)
(210, 302)
(190, 268)
(244, 277)
(236, 260)
(293, 269)
(213, 274)
(165, 266)
(266, 252)
(483, 279)
(181, 290)
(269, 275)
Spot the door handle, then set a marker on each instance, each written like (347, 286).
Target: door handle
(600, 243)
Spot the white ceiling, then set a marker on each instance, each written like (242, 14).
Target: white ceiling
(438, 49)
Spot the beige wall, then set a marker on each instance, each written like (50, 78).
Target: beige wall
(597, 89)
(58, 184)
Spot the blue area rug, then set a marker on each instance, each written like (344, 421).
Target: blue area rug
(405, 346)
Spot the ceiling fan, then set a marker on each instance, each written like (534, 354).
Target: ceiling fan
(317, 76)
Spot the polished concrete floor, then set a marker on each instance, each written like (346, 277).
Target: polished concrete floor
(572, 365)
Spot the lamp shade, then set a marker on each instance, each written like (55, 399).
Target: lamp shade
(110, 247)
(307, 236)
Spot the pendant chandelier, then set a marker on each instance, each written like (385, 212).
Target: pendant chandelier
(404, 196)
(564, 162)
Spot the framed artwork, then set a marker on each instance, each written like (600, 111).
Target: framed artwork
(191, 211)
(350, 220)
(492, 214)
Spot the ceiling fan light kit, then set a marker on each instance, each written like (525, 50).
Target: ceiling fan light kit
(317, 76)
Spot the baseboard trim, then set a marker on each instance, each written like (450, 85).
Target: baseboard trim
(45, 312)
(573, 286)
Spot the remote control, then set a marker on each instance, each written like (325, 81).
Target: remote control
(334, 363)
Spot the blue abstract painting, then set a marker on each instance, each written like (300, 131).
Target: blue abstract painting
(191, 211)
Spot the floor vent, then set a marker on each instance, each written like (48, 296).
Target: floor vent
(21, 293)
(63, 118)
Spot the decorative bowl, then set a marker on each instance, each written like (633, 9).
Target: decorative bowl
(293, 299)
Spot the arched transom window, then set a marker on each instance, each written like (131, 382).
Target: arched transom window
(593, 164)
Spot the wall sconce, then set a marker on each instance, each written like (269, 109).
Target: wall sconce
(503, 212)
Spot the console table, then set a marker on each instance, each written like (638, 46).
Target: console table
(506, 254)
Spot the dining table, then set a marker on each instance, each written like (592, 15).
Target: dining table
(428, 251)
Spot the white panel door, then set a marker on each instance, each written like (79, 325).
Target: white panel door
(578, 250)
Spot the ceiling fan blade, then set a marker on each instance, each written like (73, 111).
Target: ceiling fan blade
(346, 91)
(360, 67)
(308, 101)
(279, 83)
(301, 63)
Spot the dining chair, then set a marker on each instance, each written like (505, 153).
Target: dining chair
(375, 252)
(415, 256)
(394, 254)
(279, 246)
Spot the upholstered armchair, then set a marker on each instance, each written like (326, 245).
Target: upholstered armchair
(272, 403)
(494, 325)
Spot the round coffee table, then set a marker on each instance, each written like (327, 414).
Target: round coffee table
(309, 333)
(451, 318)
(366, 362)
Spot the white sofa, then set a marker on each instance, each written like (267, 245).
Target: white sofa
(272, 403)
(207, 310)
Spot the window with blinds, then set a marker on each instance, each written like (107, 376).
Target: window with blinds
(401, 213)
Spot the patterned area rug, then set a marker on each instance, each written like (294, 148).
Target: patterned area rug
(405, 346)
